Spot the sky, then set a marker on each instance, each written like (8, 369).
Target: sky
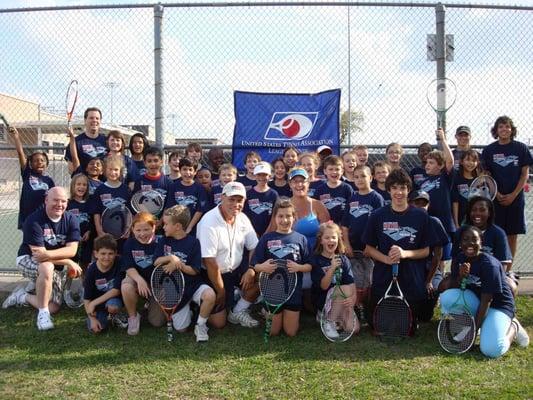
(209, 53)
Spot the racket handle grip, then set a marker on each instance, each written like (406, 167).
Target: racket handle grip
(395, 269)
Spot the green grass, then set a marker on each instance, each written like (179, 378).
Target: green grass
(68, 362)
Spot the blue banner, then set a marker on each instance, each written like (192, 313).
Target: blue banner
(268, 122)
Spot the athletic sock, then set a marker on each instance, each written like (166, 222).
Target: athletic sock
(241, 305)
(201, 320)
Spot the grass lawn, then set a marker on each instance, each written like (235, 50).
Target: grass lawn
(68, 362)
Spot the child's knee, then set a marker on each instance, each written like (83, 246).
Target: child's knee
(494, 348)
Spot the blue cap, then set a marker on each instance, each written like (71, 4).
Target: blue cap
(298, 172)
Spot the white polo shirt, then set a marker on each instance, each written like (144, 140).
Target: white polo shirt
(223, 241)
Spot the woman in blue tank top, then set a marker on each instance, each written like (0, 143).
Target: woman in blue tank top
(310, 212)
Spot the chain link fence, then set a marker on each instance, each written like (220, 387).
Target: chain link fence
(377, 55)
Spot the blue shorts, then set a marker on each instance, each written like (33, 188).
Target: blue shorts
(493, 333)
(102, 315)
(511, 219)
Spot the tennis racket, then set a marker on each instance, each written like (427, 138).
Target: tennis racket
(337, 321)
(149, 201)
(392, 316)
(441, 95)
(457, 329)
(73, 292)
(276, 288)
(483, 185)
(70, 101)
(116, 220)
(167, 290)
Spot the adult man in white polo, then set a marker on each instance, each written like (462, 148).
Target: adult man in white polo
(224, 233)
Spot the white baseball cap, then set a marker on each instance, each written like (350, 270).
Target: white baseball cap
(263, 167)
(324, 148)
(234, 189)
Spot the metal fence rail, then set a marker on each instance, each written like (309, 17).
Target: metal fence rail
(181, 88)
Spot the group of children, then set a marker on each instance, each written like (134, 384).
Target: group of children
(379, 216)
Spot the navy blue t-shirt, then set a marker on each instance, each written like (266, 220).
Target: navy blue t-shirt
(88, 148)
(81, 210)
(356, 216)
(247, 182)
(130, 173)
(383, 193)
(336, 199)
(418, 175)
(139, 256)
(409, 230)
(351, 183)
(107, 197)
(283, 191)
(188, 250)
(97, 283)
(505, 162)
(494, 242)
(34, 189)
(141, 168)
(40, 231)
(487, 277)
(194, 197)
(313, 186)
(288, 246)
(161, 183)
(320, 266)
(460, 189)
(258, 208)
(216, 194)
(438, 187)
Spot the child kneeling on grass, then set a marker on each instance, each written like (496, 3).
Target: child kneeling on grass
(102, 286)
(179, 251)
(286, 244)
(487, 295)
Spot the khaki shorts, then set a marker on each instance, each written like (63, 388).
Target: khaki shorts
(30, 269)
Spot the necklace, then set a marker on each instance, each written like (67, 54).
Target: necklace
(230, 228)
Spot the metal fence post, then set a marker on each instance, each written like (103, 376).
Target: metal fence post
(158, 75)
(440, 14)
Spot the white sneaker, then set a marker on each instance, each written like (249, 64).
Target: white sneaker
(243, 318)
(330, 330)
(521, 337)
(200, 331)
(44, 321)
(134, 324)
(16, 298)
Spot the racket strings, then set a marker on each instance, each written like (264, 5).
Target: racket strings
(392, 318)
(150, 201)
(457, 332)
(116, 221)
(277, 287)
(167, 289)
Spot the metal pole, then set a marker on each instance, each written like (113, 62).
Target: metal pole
(158, 75)
(440, 14)
(349, 82)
